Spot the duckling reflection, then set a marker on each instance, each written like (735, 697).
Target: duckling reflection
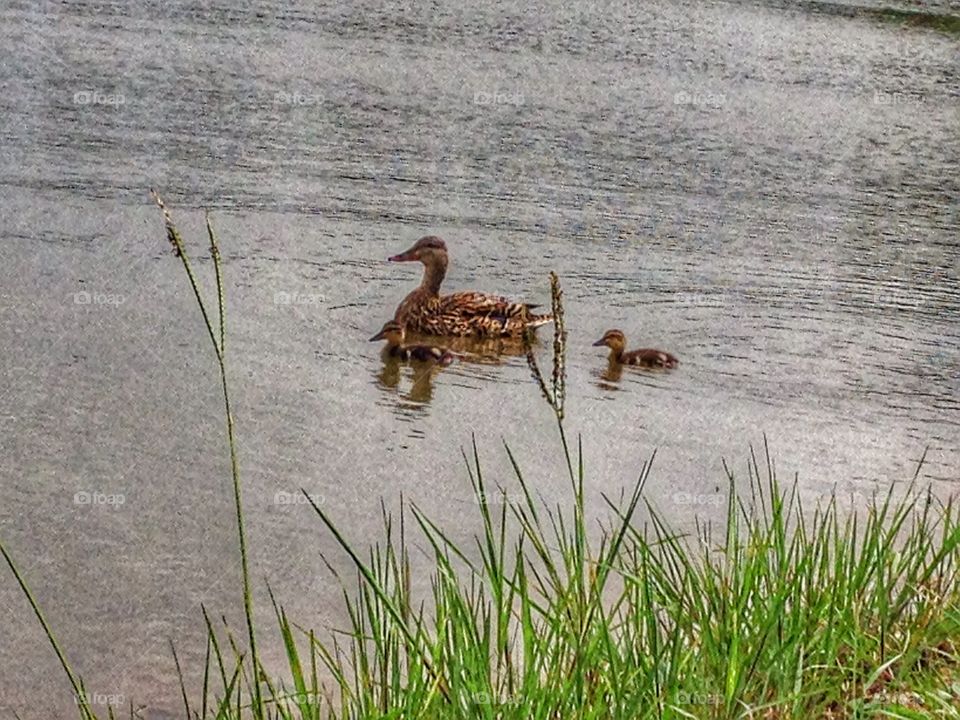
(389, 376)
(611, 374)
(421, 374)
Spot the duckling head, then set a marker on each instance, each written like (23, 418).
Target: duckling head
(613, 339)
(429, 250)
(392, 332)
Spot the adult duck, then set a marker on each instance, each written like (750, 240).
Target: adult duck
(463, 314)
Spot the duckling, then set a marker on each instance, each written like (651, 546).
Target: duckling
(645, 357)
(393, 332)
(464, 314)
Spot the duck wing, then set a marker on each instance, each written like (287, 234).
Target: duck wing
(476, 313)
(478, 303)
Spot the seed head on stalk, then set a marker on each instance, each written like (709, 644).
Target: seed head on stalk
(172, 234)
(559, 378)
(556, 393)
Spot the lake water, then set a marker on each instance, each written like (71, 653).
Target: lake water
(766, 189)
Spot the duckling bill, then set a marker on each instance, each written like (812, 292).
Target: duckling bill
(394, 334)
(644, 357)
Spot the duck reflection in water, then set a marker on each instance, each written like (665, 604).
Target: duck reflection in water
(422, 374)
(424, 360)
(427, 355)
(482, 351)
(611, 375)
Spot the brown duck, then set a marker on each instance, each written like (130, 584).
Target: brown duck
(393, 333)
(645, 357)
(462, 314)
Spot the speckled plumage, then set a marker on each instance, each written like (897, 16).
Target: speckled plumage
(393, 333)
(644, 357)
(476, 314)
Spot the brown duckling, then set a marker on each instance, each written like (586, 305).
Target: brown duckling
(393, 333)
(645, 357)
(464, 314)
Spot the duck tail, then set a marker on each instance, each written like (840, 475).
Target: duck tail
(534, 321)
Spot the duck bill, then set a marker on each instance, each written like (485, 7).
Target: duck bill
(406, 256)
(379, 336)
(599, 343)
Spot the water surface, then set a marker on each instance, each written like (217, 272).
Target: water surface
(767, 190)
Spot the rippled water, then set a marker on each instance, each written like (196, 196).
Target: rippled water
(767, 190)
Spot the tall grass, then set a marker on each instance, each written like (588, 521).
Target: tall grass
(790, 612)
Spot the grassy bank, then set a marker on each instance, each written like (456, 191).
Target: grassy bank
(788, 612)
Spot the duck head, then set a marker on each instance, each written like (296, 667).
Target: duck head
(392, 332)
(613, 339)
(429, 250)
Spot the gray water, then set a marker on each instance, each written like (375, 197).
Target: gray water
(767, 190)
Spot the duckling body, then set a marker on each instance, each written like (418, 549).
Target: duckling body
(393, 333)
(461, 314)
(423, 353)
(644, 357)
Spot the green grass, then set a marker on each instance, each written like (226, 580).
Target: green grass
(790, 612)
